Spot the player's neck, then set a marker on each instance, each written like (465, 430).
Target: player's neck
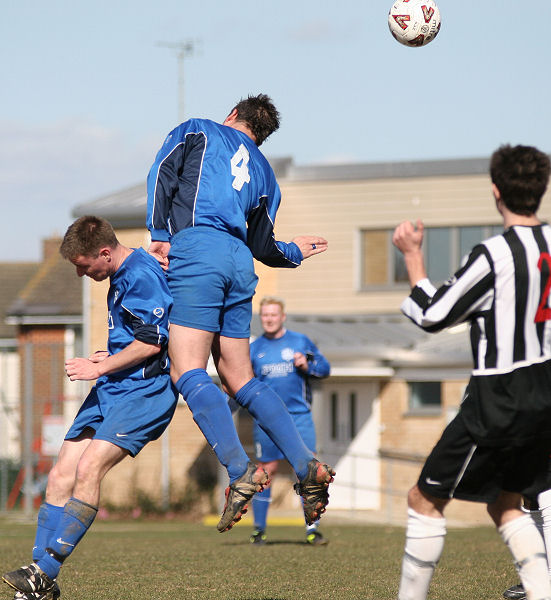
(511, 219)
(276, 335)
(120, 254)
(240, 126)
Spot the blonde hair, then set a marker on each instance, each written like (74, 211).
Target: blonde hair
(272, 300)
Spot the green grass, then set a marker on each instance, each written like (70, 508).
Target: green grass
(176, 560)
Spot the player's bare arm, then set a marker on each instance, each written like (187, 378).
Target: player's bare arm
(85, 369)
(98, 356)
(408, 238)
(310, 244)
(159, 251)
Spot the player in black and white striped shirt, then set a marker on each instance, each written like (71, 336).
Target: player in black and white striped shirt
(497, 448)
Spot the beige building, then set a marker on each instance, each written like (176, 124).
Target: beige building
(393, 387)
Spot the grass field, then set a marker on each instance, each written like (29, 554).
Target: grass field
(176, 560)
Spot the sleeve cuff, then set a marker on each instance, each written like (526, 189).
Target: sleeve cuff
(159, 235)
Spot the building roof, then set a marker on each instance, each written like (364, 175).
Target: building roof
(126, 208)
(53, 294)
(14, 276)
(371, 343)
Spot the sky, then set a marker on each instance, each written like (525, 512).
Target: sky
(90, 90)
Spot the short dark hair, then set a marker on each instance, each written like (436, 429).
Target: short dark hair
(86, 237)
(521, 174)
(260, 114)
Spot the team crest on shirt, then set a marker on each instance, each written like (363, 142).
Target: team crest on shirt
(159, 311)
(116, 295)
(287, 354)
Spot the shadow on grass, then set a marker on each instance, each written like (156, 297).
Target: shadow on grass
(274, 543)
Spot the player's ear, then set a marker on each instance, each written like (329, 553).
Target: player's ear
(231, 118)
(496, 192)
(105, 253)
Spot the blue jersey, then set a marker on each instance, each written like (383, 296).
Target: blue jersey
(139, 302)
(273, 363)
(207, 174)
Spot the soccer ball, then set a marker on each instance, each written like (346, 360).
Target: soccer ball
(414, 22)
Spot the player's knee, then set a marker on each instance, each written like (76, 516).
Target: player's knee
(87, 472)
(60, 481)
(425, 504)
(175, 373)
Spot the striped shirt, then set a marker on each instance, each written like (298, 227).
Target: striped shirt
(502, 289)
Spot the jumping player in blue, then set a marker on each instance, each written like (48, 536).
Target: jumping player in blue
(131, 403)
(212, 199)
(286, 361)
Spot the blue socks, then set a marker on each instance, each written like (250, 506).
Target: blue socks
(212, 414)
(274, 418)
(48, 519)
(261, 503)
(73, 524)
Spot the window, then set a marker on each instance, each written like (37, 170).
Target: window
(424, 395)
(343, 417)
(352, 416)
(382, 265)
(334, 416)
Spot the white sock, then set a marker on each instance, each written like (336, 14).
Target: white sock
(424, 545)
(528, 550)
(544, 501)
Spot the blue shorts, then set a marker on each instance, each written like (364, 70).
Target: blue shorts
(212, 281)
(128, 412)
(266, 450)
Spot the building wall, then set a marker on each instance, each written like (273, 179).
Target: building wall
(406, 440)
(328, 283)
(9, 404)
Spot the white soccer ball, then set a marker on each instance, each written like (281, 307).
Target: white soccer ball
(414, 22)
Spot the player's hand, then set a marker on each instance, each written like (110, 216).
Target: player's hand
(81, 369)
(310, 244)
(408, 237)
(98, 356)
(159, 251)
(300, 361)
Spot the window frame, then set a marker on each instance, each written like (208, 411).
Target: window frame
(455, 255)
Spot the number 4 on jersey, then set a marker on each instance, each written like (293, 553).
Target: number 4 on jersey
(239, 168)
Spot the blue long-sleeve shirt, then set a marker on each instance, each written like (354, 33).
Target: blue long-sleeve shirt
(207, 174)
(273, 363)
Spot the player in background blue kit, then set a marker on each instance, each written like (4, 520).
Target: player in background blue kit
(131, 403)
(286, 361)
(212, 199)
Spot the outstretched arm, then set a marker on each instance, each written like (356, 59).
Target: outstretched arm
(310, 245)
(266, 249)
